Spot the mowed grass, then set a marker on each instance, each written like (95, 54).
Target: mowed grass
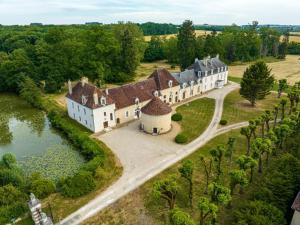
(237, 109)
(196, 116)
(284, 69)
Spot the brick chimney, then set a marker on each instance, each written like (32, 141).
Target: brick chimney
(96, 98)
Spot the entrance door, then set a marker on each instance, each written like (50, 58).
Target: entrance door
(105, 124)
(154, 130)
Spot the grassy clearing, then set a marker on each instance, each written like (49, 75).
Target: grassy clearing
(288, 69)
(196, 116)
(237, 109)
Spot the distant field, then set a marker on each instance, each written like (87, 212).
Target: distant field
(295, 38)
(288, 69)
(167, 36)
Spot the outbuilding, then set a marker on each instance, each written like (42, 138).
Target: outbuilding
(156, 117)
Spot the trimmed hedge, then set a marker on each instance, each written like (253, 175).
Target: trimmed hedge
(181, 139)
(176, 117)
(223, 122)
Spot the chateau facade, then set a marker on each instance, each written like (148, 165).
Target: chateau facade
(100, 110)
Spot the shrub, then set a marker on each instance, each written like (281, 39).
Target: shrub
(93, 164)
(177, 117)
(223, 122)
(78, 185)
(181, 139)
(42, 187)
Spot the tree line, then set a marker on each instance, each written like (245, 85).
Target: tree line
(253, 187)
(51, 55)
(234, 43)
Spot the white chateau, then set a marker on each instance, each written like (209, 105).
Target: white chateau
(148, 100)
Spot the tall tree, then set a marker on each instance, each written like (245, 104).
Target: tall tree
(208, 210)
(257, 82)
(247, 133)
(186, 171)
(217, 154)
(207, 163)
(282, 86)
(283, 103)
(166, 189)
(186, 44)
(219, 193)
(178, 217)
(261, 146)
(237, 177)
(230, 148)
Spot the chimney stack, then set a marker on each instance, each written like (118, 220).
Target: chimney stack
(217, 56)
(70, 87)
(196, 59)
(84, 80)
(96, 99)
(106, 91)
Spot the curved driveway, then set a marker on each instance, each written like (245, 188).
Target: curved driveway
(136, 171)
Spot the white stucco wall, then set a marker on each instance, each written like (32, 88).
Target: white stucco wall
(81, 114)
(296, 218)
(102, 115)
(162, 123)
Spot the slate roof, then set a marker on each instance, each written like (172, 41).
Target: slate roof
(296, 203)
(156, 108)
(87, 90)
(212, 64)
(125, 95)
(186, 77)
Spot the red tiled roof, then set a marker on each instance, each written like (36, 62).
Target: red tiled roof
(125, 95)
(296, 204)
(88, 90)
(156, 108)
(162, 77)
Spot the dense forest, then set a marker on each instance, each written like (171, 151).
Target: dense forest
(234, 43)
(158, 28)
(50, 55)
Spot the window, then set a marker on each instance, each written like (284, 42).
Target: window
(85, 122)
(205, 73)
(104, 113)
(111, 116)
(126, 114)
(103, 100)
(212, 71)
(78, 108)
(170, 83)
(137, 101)
(198, 89)
(191, 92)
(170, 99)
(165, 96)
(74, 115)
(73, 105)
(156, 93)
(84, 111)
(79, 118)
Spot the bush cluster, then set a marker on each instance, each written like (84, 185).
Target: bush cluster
(223, 122)
(181, 138)
(83, 181)
(177, 117)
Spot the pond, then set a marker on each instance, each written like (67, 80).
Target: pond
(26, 133)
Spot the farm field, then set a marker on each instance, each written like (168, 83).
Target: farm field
(167, 36)
(288, 69)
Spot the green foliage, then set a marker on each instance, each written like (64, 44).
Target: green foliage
(208, 210)
(181, 138)
(9, 160)
(31, 93)
(151, 28)
(258, 213)
(257, 82)
(78, 185)
(219, 193)
(186, 44)
(293, 48)
(186, 171)
(166, 189)
(282, 86)
(176, 117)
(41, 187)
(223, 122)
(178, 217)
(154, 51)
(238, 177)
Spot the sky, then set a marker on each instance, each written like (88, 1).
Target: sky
(223, 12)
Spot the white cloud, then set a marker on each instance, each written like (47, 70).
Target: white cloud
(175, 11)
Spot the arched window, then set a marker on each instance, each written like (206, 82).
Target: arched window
(156, 93)
(184, 85)
(170, 83)
(137, 101)
(83, 100)
(191, 82)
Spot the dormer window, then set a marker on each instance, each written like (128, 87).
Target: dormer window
(83, 100)
(199, 81)
(103, 100)
(219, 70)
(199, 74)
(184, 85)
(222, 69)
(156, 93)
(212, 71)
(191, 82)
(205, 73)
(137, 101)
(170, 83)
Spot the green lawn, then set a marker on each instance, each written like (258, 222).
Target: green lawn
(237, 109)
(196, 116)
